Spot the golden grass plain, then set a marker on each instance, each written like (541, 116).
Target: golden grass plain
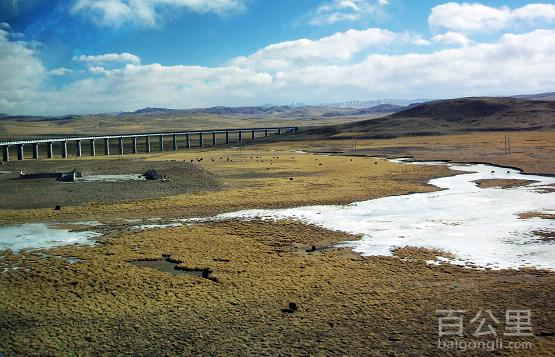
(255, 177)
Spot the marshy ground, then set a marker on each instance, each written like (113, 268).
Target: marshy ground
(347, 305)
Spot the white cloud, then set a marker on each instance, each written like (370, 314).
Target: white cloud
(419, 41)
(61, 71)
(147, 12)
(346, 10)
(339, 47)
(109, 57)
(136, 86)
(333, 68)
(21, 73)
(517, 63)
(452, 38)
(477, 17)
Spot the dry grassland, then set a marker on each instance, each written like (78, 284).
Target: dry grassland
(256, 177)
(531, 151)
(347, 305)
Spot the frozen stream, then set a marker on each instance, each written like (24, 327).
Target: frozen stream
(40, 235)
(478, 226)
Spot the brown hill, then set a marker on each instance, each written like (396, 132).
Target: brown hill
(452, 116)
(540, 96)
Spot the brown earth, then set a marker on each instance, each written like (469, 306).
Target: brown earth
(20, 193)
(502, 183)
(531, 151)
(13, 128)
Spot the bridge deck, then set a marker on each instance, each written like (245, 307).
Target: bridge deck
(19, 144)
(138, 135)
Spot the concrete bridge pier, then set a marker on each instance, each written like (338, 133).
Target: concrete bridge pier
(64, 149)
(161, 142)
(240, 139)
(147, 144)
(279, 131)
(78, 148)
(5, 153)
(214, 139)
(35, 151)
(188, 140)
(134, 144)
(120, 142)
(227, 137)
(92, 147)
(174, 142)
(266, 133)
(106, 146)
(200, 140)
(50, 150)
(253, 135)
(19, 148)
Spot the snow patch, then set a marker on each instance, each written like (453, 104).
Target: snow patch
(479, 226)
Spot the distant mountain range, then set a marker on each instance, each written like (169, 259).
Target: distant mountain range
(542, 96)
(295, 110)
(362, 104)
(255, 110)
(279, 111)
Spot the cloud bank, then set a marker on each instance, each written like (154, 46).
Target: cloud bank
(335, 11)
(109, 57)
(352, 64)
(477, 17)
(147, 12)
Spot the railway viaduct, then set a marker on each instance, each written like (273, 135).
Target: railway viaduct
(185, 139)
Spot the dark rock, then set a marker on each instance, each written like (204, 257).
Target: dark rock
(206, 273)
(68, 176)
(152, 175)
(291, 309)
(57, 208)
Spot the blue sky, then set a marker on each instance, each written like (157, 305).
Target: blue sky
(87, 56)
